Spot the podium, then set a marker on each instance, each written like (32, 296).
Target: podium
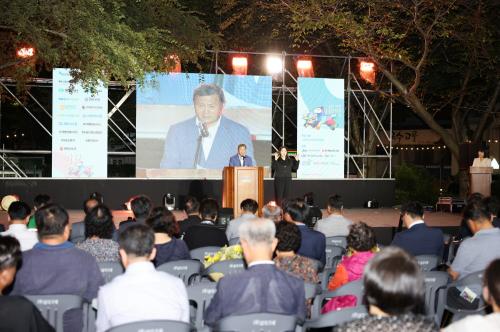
(240, 183)
(480, 180)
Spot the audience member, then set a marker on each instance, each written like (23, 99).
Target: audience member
(288, 235)
(335, 224)
(314, 212)
(262, 287)
(141, 207)
(476, 252)
(192, 208)
(19, 213)
(78, 228)
(141, 293)
(168, 248)
(418, 239)
(206, 233)
(312, 243)
(56, 266)
(395, 295)
(39, 201)
(491, 293)
(249, 208)
(360, 244)
(464, 230)
(99, 228)
(272, 211)
(493, 205)
(17, 314)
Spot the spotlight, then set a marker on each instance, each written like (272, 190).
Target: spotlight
(240, 65)
(169, 201)
(25, 52)
(274, 64)
(367, 71)
(305, 67)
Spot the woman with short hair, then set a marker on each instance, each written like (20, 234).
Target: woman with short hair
(168, 248)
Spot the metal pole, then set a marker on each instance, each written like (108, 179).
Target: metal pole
(348, 115)
(390, 131)
(283, 87)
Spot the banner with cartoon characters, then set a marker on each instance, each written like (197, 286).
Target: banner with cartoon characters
(320, 128)
(79, 129)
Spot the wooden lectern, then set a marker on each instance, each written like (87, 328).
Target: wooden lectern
(240, 183)
(480, 180)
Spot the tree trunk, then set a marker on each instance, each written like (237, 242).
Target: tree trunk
(463, 183)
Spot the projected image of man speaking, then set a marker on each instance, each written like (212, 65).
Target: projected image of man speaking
(208, 139)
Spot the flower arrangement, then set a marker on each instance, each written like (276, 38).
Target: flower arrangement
(225, 253)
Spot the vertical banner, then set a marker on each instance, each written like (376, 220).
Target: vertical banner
(320, 128)
(79, 129)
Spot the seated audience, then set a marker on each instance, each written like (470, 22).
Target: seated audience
(335, 224)
(272, 211)
(491, 293)
(464, 230)
(38, 202)
(141, 293)
(262, 288)
(476, 252)
(418, 239)
(286, 259)
(360, 244)
(56, 266)
(493, 205)
(19, 213)
(168, 248)
(78, 228)
(192, 209)
(248, 208)
(314, 212)
(99, 228)
(141, 207)
(17, 314)
(312, 243)
(206, 233)
(395, 295)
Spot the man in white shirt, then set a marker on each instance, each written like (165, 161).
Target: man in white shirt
(335, 224)
(19, 213)
(249, 208)
(141, 293)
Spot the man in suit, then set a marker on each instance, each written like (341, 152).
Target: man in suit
(262, 288)
(313, 243)
(206, 140)
(241, 159)
(192, 209)
(418, 239)
(206, 234)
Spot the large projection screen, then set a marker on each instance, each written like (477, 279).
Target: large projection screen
(320, 128)
(174, 110)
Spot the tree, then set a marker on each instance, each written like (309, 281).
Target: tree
(417, 37)
(101, 39)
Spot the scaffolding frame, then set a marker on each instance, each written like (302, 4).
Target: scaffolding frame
(357, 98)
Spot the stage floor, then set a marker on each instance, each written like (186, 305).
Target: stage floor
(384, 217)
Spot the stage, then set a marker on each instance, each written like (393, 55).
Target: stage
(116, 191)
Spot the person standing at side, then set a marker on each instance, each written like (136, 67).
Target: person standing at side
(282, 167)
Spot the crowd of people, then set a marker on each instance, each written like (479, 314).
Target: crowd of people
(283, 248)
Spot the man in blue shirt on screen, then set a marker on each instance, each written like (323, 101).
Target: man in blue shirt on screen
(241, 159)
(208, 139)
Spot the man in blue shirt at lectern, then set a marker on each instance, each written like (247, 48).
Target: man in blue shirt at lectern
(241, 159)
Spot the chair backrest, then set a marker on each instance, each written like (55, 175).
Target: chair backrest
(183, 269)
(262, 322)
(317, 264)
(227, 267)
(325, 275)
(201, 294)
(333, 254)
(153, 326)
(110, 270)
(355, 288)
(435, 284)
(53, 307)
(200, 253)
(234, 241)
(337, 317)
(311, 290)
(339, 241)
(427, 262)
